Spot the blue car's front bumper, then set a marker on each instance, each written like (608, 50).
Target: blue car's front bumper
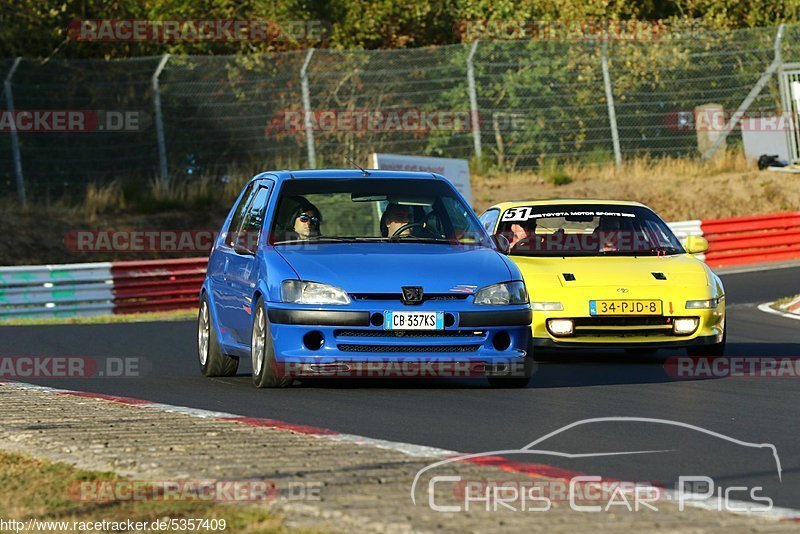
(351, 341)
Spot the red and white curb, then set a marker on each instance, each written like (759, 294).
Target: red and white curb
(790, 310)
(417, 451)
(792, 306)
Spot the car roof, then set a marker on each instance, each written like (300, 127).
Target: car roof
(502, 206)
(347, 173)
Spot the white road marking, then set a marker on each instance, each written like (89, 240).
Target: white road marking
(775, 513)
(767, 308)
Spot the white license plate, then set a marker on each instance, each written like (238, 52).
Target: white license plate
(406, 320)
(625, 307)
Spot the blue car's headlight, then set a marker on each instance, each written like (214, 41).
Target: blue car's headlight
(502, 294)
(302, 292)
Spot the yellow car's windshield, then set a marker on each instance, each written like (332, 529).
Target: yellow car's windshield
(586, 230)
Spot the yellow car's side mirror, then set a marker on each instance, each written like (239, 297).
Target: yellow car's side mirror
(695, 244)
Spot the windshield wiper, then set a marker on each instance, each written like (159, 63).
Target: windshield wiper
(317, 239)
(658, 251)
(664, 251)
(418, 239)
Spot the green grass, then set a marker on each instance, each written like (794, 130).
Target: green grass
(597, 156)
(785, 300)
(554, 173)
(37, 489)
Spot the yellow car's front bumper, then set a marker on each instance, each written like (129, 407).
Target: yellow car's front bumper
(654, 331)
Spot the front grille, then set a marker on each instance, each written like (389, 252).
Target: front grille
(618, 326)
(408, 333)
(587, 332)
(348, 347)
(615, 320)
(398, 297)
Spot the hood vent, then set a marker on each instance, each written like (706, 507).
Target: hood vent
(569, 277)
(659, 276)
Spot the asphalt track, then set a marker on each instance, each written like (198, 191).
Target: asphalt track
(466, 415)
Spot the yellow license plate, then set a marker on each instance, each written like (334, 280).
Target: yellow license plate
(625, 307)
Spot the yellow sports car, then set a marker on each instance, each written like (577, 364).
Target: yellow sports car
(611, 274)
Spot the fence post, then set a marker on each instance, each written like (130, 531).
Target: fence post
(159, 120)
(312, 155)
(473, 101)
(14, 136)
(612, 113)
(751, 96)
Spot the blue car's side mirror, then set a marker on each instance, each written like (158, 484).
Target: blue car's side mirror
(244, 251)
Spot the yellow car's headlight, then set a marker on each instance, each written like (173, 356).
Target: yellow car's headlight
(708, 304)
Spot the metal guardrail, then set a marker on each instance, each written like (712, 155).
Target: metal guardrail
(56, 290)
(160, 285)
(754, 239)
(84, 289)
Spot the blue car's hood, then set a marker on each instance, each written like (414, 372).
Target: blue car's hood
(385, 267)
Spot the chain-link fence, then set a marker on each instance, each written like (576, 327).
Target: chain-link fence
(517, 103)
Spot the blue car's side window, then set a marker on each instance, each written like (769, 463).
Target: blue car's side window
(236, 220)
(254, 219)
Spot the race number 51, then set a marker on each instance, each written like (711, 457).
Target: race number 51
(518, 214)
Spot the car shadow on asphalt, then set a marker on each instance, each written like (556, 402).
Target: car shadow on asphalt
(581, 368)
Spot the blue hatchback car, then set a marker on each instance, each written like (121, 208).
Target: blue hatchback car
(324, 273)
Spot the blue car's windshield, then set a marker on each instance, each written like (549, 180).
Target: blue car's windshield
(375, 210)
(587, 230)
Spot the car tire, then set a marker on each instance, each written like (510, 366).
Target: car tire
(213, 361)
(717, 350)
(262, 352)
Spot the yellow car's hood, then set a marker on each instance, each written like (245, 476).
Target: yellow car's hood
(628, 271)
